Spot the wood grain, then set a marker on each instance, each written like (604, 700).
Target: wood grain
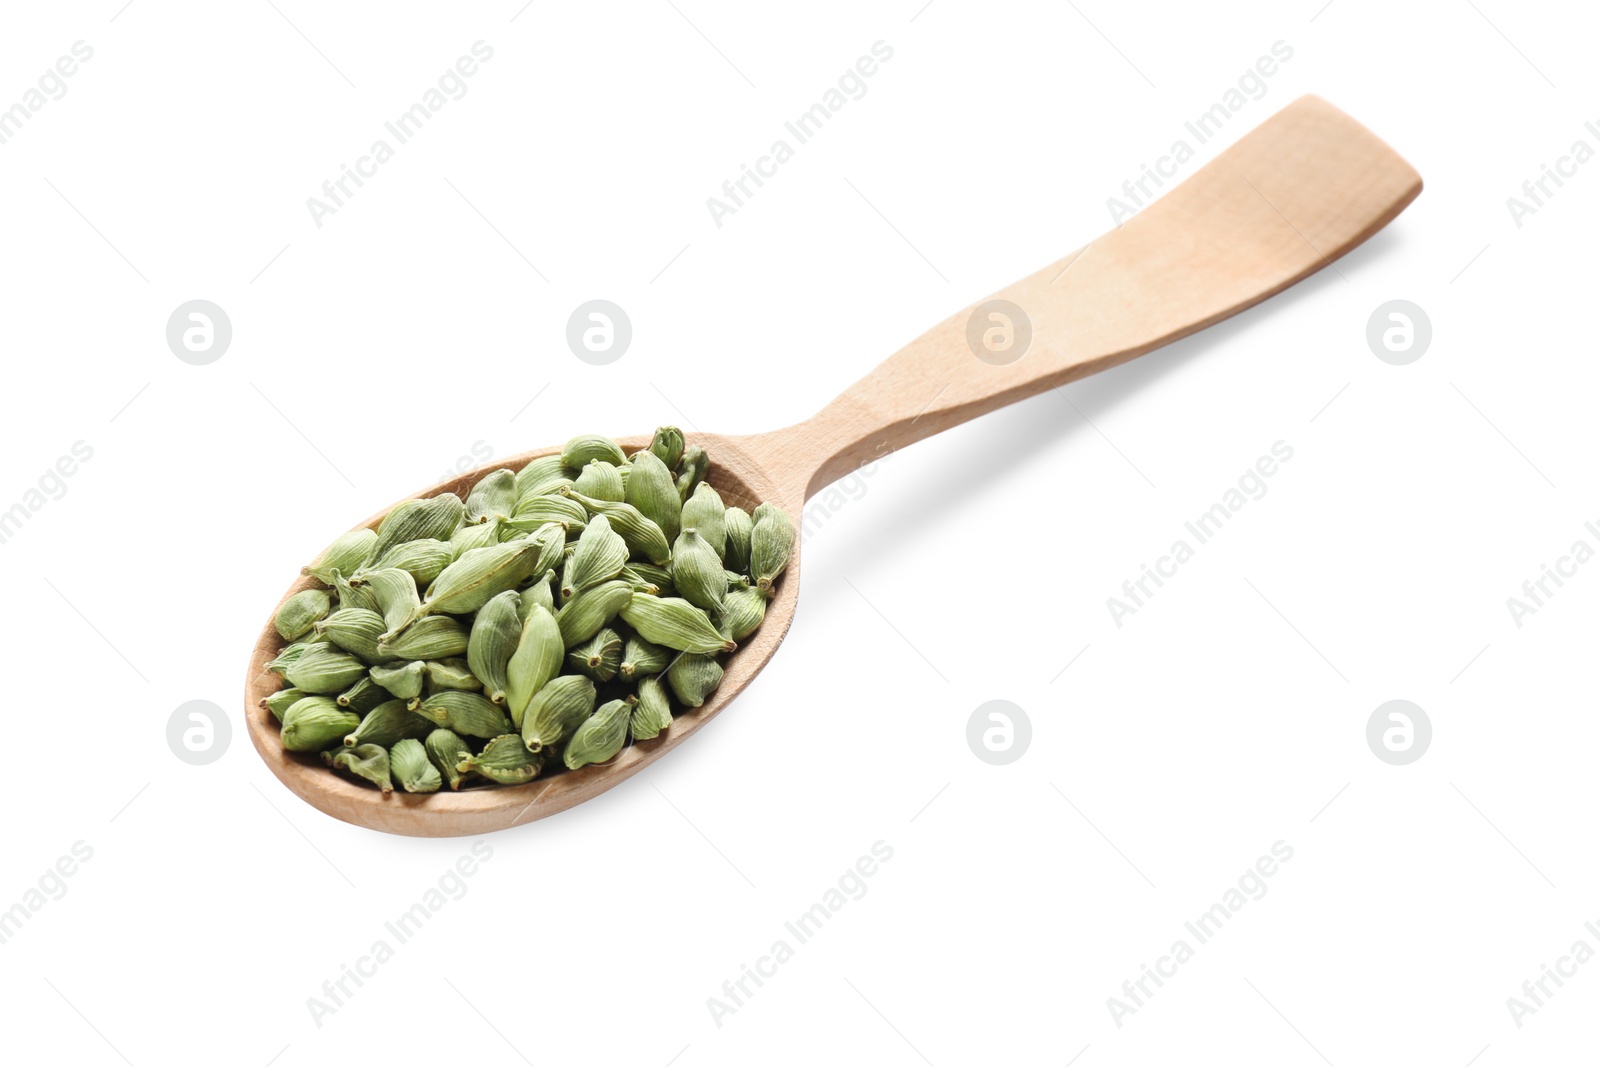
(1290, 197)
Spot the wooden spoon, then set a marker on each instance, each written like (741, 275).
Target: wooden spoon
(1291, 196)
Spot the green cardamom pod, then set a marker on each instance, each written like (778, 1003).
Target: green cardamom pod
(479, 535)
(652, 490)
(540, 476)
(345, 556)
(495, 631)
(356, 630)
(653, 712)
(471, 581)
(770, 541)
(367, 761)
(538, 593)
(469, 714)
(600, 480)
(314, 723)
(386, 724)
(693, 677)
(697, 573)
(424, 559)
(737, 523)
(408, 761)
(556, 710)
(325, 669)
(667, 446)
(641, 659)
(599, 737)
(396, 593)
(535, 661)
(576, 453)
(599, 556)
(452, 674)
(583, 616)
(445, 751)
(363, 696)
(355, 596)
(504, 760)
(742, 612)
(599, 657)
(673, 622)
(640, 534)
(537, 511)
(298, 614)
(431, 637)
(692, 471)
(649, 578)
(281, 701)
(403, 681)
(436, 517)
(288, 656)
(704, 513)
(494, 496)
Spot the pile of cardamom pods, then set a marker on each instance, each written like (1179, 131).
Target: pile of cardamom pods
(557, 612)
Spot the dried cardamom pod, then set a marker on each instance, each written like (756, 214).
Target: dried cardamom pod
(471, 581)
(738, 524)
(468, 714)
(771, 538)
(408, 762)
(363, 696)
(599, 556)
(403, 681)
(356, 630)
(538, 511)
(281, 701)
(600, 480)
(599, 657)
(504, 760)
(288, 656)
(673, 622)
(540, 476)
(496, 630)
(641, 659)
(691, 471)
(314, 723)
(742, 611)
(652, 713)
(556, 710)
(693, 677)
(452, 674)
(367, 761)
(583, 616)
(697, 573)
(431, 637)
(396, 593)
(494, 496)
(640, 534)
(652, 490)
(345, 556)
(667, 446)
(479, 535)
(539, 593)
(704, 513)
(424, 559)
(436, 517)
(445, 751)
(576, 453)
(386, 724)
(648, 574)
(297, 615)
(355, 596)
(325, 669)
(599, 737)
(535, 661)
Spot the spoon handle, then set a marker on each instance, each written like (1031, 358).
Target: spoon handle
(1299, 191)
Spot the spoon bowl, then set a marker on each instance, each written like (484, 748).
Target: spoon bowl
(1286, 200)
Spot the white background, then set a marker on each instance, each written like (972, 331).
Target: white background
(371, 354)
